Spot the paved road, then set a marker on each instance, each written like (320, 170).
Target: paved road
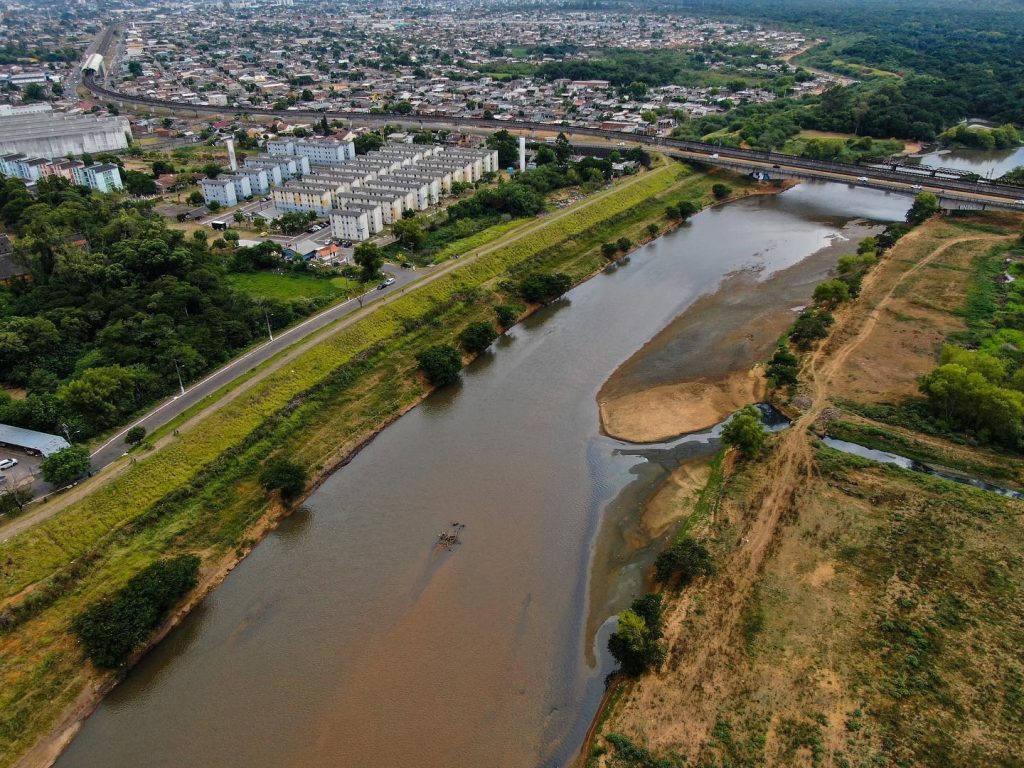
(115, 446)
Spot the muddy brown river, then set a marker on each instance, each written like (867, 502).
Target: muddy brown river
(347, 639)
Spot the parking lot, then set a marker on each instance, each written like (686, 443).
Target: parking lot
(25, 474)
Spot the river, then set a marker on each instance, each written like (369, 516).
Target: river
(991, 163)
(346, 639)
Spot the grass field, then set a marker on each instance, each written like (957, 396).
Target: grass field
(289, 285)
(198, 493)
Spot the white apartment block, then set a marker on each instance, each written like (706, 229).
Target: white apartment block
(317, 151)
(356, 221)
(104, 177)
(299, 196)
(220, 190)
(259, 183)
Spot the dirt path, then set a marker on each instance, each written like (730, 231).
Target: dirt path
(52, 506)
(699, 672)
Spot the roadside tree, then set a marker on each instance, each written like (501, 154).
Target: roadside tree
(65, 466)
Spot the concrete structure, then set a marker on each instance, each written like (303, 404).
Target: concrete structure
(55, 134)
(259, 182)
(232, 160)
(30, 441)
(220, 190)
(357, 221)
(300, 196)
(522, 154)
(104, 177)
(317, 151)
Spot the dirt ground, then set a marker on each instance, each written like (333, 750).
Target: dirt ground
(859, 615)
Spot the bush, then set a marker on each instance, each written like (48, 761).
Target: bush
(66, 466)
(507, 315)
(111, 629)
(285, 476)
(831, 293)
(783, 368)
(746, 433)
(608, 250)
(441, 364)
(687, 559)
(624, 244)
(477, 337)
(636, 643)
(813, 324)
(135, 435)
(539, 288)
(653, 229)
(721, 191)
(925, 206)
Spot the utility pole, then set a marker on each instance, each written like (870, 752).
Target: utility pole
(181, 385)
(266, 317)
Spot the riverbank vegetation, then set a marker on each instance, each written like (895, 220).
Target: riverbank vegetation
(858, 613)
(199, 492)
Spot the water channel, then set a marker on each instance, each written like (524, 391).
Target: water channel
(346, 639)
(988, 163)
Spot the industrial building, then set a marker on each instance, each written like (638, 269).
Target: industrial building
(56, 134)
(30, 441)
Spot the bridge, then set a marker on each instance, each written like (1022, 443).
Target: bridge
(953, 189)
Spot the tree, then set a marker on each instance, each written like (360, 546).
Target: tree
(213, 205)
(636, 643)
(624, 244)
(368, 142)
(441, 364)
(507, 146)
(746, 433)
(608, 250)
(721, 191)
(811, 325)
(196, 198)
(783, 368)
(563, 149)
(212, 170)
(831, 293)
(285, 476)
(409, 232)
(66, 466)
(112, 628)
(507, 315)
(139, 183)
(925, 206)
(478, 336)
(369, 258)
(687, 559)
(135, 68)
(541, 287)
(653, 229)
(160, 167)
(33, 92)
(135, 435)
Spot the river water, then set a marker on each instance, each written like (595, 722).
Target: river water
(347, 639)
(992, 164)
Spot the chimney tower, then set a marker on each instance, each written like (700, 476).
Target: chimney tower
(522, 154)
(232, 160)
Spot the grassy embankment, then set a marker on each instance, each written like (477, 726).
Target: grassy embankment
(861, 614)
(291, 285)
(198, 494)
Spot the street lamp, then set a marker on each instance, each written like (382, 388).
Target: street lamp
(177, 370)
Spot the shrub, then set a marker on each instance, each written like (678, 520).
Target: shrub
(653, 229)
(636, 643)
(688, 559)
(746, 433)
(831, 293)
(608, 250)
(925, 206)
(285, 476)
(135, 435)
(624, 244)
(783, 368)
(721, 191)
(539, 287)
(111, 629)
(476, 337)
(441, 364)
(66, 466)
(687, 209)
(507, 315)
(813, 324)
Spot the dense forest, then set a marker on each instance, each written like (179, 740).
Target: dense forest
(116, 304)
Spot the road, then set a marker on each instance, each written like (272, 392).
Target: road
(173, 407)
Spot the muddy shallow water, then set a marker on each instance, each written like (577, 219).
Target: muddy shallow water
(347, 639)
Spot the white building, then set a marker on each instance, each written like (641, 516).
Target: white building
(317, 151)
(259, 183)
(55, 134)
(104, 177)
(299, 196)
(220, 190)
(356, 221)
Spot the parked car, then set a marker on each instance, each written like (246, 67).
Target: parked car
(8, 463)
(714, 156)
(386, 283)
(862, 178)
(916, 187)
(346, 243)
(406, 265)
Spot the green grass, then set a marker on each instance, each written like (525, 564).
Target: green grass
(198, 493)
(290, 285)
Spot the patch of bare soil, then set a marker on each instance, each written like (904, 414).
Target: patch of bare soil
(675, 409)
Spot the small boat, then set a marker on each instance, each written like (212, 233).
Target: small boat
(450, 538)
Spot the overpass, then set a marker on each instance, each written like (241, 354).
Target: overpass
(953, 190)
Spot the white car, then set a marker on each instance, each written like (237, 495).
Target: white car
(916, 187)
(862, 179)
(8, 463)
(714, 156)
(1019, 202)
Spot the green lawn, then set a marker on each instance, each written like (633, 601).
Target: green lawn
(271, 285)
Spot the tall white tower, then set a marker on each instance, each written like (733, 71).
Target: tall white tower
(232, 160)
(522, 154)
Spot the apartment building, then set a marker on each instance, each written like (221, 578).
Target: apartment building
(302, 196)
(317, 151)
(102, 177)
(356, 221)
